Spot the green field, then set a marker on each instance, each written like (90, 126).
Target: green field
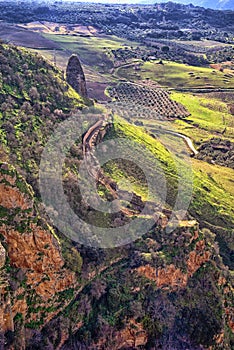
(94, 51)
(209, 117)
(178, 75)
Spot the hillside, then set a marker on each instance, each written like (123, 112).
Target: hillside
(163, 289)
(34, 97)
(217, 5)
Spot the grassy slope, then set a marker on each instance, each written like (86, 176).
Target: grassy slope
(176, 75)
(212, 200)
(138, 136)
(208, 117)
(26, 120)
(211, 191)
(94, 51)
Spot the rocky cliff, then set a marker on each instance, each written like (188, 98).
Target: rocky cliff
(34, 272)
(75, 76)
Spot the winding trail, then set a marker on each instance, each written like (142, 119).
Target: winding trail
(186, 139)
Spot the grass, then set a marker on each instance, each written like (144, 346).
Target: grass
(153, 151)
(126, 181)
(212, 198)
(94, 51)
(178, 75)
(222, 176)
(209, 117)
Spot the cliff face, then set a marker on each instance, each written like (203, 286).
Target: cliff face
(161, 292)
(34, 273)
(170, 277)
(75, 76)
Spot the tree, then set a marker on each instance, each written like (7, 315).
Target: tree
(34, 94)
(98, 288)
(165, 49)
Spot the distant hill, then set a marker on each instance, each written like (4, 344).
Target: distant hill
(214, 4)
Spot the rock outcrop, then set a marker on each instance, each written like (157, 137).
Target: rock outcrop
(217, 151)
(173, 277)
(38, 274)
(75, 76)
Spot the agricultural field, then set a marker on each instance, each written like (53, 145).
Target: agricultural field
(195, 116)
(209, 117)
(149, 103)
(202, 43)
(178, 75)
(19, 36)
(55, 28)
(95, 51)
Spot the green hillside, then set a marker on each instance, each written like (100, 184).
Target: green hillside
(59, 294)
(34, 97)
(211, 201)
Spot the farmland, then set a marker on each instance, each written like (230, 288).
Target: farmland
(202, 43)
(208, 117)
(148, 102)
(95, 51)
(178, 75)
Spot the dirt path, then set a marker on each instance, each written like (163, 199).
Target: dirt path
(186, 139)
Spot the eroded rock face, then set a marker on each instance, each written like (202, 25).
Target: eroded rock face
(75, 76)
(37, 272)
(172, 277)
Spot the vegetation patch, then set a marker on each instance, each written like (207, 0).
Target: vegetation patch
(177, 75)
